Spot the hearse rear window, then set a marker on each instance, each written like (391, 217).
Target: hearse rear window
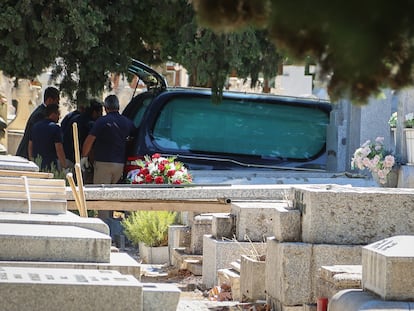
(268, 130)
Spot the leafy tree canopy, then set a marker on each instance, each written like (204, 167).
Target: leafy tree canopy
(362, 46)
(82, 41)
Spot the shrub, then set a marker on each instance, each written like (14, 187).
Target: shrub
(149, 227)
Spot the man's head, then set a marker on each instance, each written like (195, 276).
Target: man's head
(111, 103)
(52, 112)
(94, 110)
(51, 96)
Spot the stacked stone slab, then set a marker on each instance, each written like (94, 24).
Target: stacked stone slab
(387, 278)
(243, 232)
(68, 289)
(52, 259)
(326, 225)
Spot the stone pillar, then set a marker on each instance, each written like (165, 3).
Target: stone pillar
(27, 97)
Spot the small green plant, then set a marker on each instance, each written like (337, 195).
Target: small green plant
(149, 227)
(57, 174)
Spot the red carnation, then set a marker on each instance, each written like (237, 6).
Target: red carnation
(161, 167)
(148, 178)
(159, 180)
(156, 156)
(170, 173)
(144, 171)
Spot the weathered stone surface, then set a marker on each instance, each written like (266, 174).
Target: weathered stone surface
(332, 279)
(328, 255)
(233, 192)
(179, 237)
(53, 243)
(287, 223)
(160, 296)
(218, 254)
(27, 289)
(254, 220)
(348, 215)
(388, 268)
(358, 300)
(292, 268)
(222, 226)
(200, 227)
(231, 278)
(252, 275)
(288, 272)
(154, 255)
(67, 218)
(120, 262)
(16, 163)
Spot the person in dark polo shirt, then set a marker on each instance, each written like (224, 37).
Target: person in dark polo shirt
(108, 137)
(45, 141)
(50, 96)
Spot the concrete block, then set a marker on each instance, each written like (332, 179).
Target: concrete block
(350, 215)
(252, 274)
(194, 266)
(120, 262)
(200, 227)
(287, 223)
(218, 254)
(329, 255)
(284, 260)
(309, 307)
(16, 163)
(359, 300)
(27, 289)
(178, 237)
(53, 243)
(332, 279)
(231, 278)
(67, 218)
(160, 296)
(288, 272)
(154, 255)
(388, 268)
(254, 220)
(222, 226)
(36, 206)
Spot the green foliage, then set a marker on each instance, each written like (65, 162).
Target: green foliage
(361, 46)
(57, 174)
(149, 227)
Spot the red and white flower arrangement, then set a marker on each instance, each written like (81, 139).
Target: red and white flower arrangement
(157, 169)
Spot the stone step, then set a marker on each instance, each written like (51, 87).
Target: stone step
(121, 262)
(36, 206)
(160, 296)
(33, 242)
(179, 258)
(67, 218)
(195, 266)
(68, 289)
(231, 278)
(32, 195)
(235, 265)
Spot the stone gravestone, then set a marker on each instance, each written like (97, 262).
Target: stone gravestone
(388, 268)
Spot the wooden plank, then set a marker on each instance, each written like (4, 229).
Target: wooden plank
(33, 181)
(156, 205)
(32, 189)
(25, 173)
(33, 196)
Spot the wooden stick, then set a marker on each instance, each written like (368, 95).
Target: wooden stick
(76, 142)
(69, 177)
(82, 198)
(9, 173)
